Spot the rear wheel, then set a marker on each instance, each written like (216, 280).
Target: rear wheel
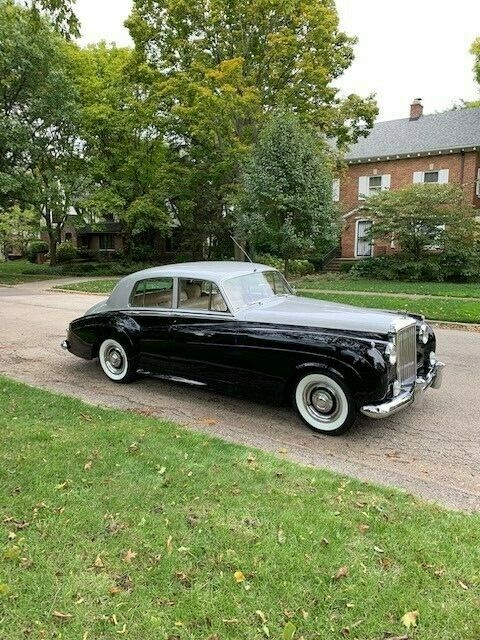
(324, 403)
(115, 361)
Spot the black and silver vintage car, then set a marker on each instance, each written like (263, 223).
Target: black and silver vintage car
(240, 324)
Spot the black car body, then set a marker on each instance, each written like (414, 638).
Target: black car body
(235, 323)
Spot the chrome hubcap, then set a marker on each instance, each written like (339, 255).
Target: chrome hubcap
(114, 360)
(322, 400)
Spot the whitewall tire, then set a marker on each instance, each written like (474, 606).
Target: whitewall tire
(324, 403)
(115, 362)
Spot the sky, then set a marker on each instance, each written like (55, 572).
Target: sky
(406, 48)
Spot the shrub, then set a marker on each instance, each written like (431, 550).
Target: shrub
(459, 265)
(88, 254)
(143, 253)
(34, 248)
(295, 267)
(66, 252)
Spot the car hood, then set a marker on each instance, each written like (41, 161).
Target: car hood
(307, 312)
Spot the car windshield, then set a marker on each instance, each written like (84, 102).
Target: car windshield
(255, 287)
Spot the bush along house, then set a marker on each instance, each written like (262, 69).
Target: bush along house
(441, 148)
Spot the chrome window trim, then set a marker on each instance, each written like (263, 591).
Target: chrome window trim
(137, 282)
(220, 290)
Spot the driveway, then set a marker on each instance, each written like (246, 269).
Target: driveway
(432, 450)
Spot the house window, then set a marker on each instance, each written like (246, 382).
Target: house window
(154, 293)
(431, 177)
(369, 185)
(374, 184)
(107, 242)
(477, 184)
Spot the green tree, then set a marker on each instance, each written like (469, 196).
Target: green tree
(285, 198)
(124, 145)
(214, 71)
(17, 228)
(41, 155)
(422, 216)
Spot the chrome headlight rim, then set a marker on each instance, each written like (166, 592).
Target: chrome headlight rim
(423, 333)
(391, 353)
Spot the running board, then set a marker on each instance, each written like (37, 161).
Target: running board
(162, 376)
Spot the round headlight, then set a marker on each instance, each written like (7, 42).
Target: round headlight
(423, 333)
(433, 358)
(391, 353)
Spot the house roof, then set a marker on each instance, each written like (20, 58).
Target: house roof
(439, 132)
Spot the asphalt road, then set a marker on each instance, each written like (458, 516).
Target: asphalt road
(432, 450)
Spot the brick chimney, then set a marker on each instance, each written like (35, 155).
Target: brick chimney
(416, 109)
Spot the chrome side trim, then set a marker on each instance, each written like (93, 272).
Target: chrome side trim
(406, 398)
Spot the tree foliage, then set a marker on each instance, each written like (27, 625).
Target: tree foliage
(41, 154)
(17, 228)
(285, 198)
(422, 217)
(124, 144)
(215, 71)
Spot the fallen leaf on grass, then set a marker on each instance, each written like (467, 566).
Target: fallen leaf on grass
(86, 417)
(341, 573)
(129, 556)
(463, 585)
(251, 458)
(345, 632)
(169, 545)
(87, 466)
(261, 615)
(98, 564)
(363, 528)
(281, 537)
(4, 589)
(410, 619)
(62, 616)
(239, 576)
(289, 631)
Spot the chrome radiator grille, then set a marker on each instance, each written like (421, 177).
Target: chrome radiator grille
(407, 355)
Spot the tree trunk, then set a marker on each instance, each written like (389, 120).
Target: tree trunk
(285, 267)
(52, 240)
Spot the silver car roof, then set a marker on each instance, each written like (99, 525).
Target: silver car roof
(217, 272)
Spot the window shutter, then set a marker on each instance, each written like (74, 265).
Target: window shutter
(443, 176)
(363, 188)
(386, 181)
(418, 176)
(336, 189)
(477, 190)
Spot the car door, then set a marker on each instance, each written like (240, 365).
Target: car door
(203, 334)
(151, 305)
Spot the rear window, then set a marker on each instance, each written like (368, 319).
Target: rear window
(153, 293)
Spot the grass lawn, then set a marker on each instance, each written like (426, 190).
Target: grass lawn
(336, 282)
(91, 286)
(12, 272)
(115, 524)
(447, 309)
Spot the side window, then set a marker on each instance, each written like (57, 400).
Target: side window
(157, 293)
(200, 295)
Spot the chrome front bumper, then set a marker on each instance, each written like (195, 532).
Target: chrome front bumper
(406, 398)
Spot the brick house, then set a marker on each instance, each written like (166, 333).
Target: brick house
(442, 148)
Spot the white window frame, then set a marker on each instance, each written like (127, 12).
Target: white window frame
(443, 176)
(364, 190)
(355, 249)
(477, 184)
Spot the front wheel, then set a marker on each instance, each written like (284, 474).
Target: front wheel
(324, 403)
(115, 362)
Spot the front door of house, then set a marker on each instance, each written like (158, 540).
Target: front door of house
(364, 241)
